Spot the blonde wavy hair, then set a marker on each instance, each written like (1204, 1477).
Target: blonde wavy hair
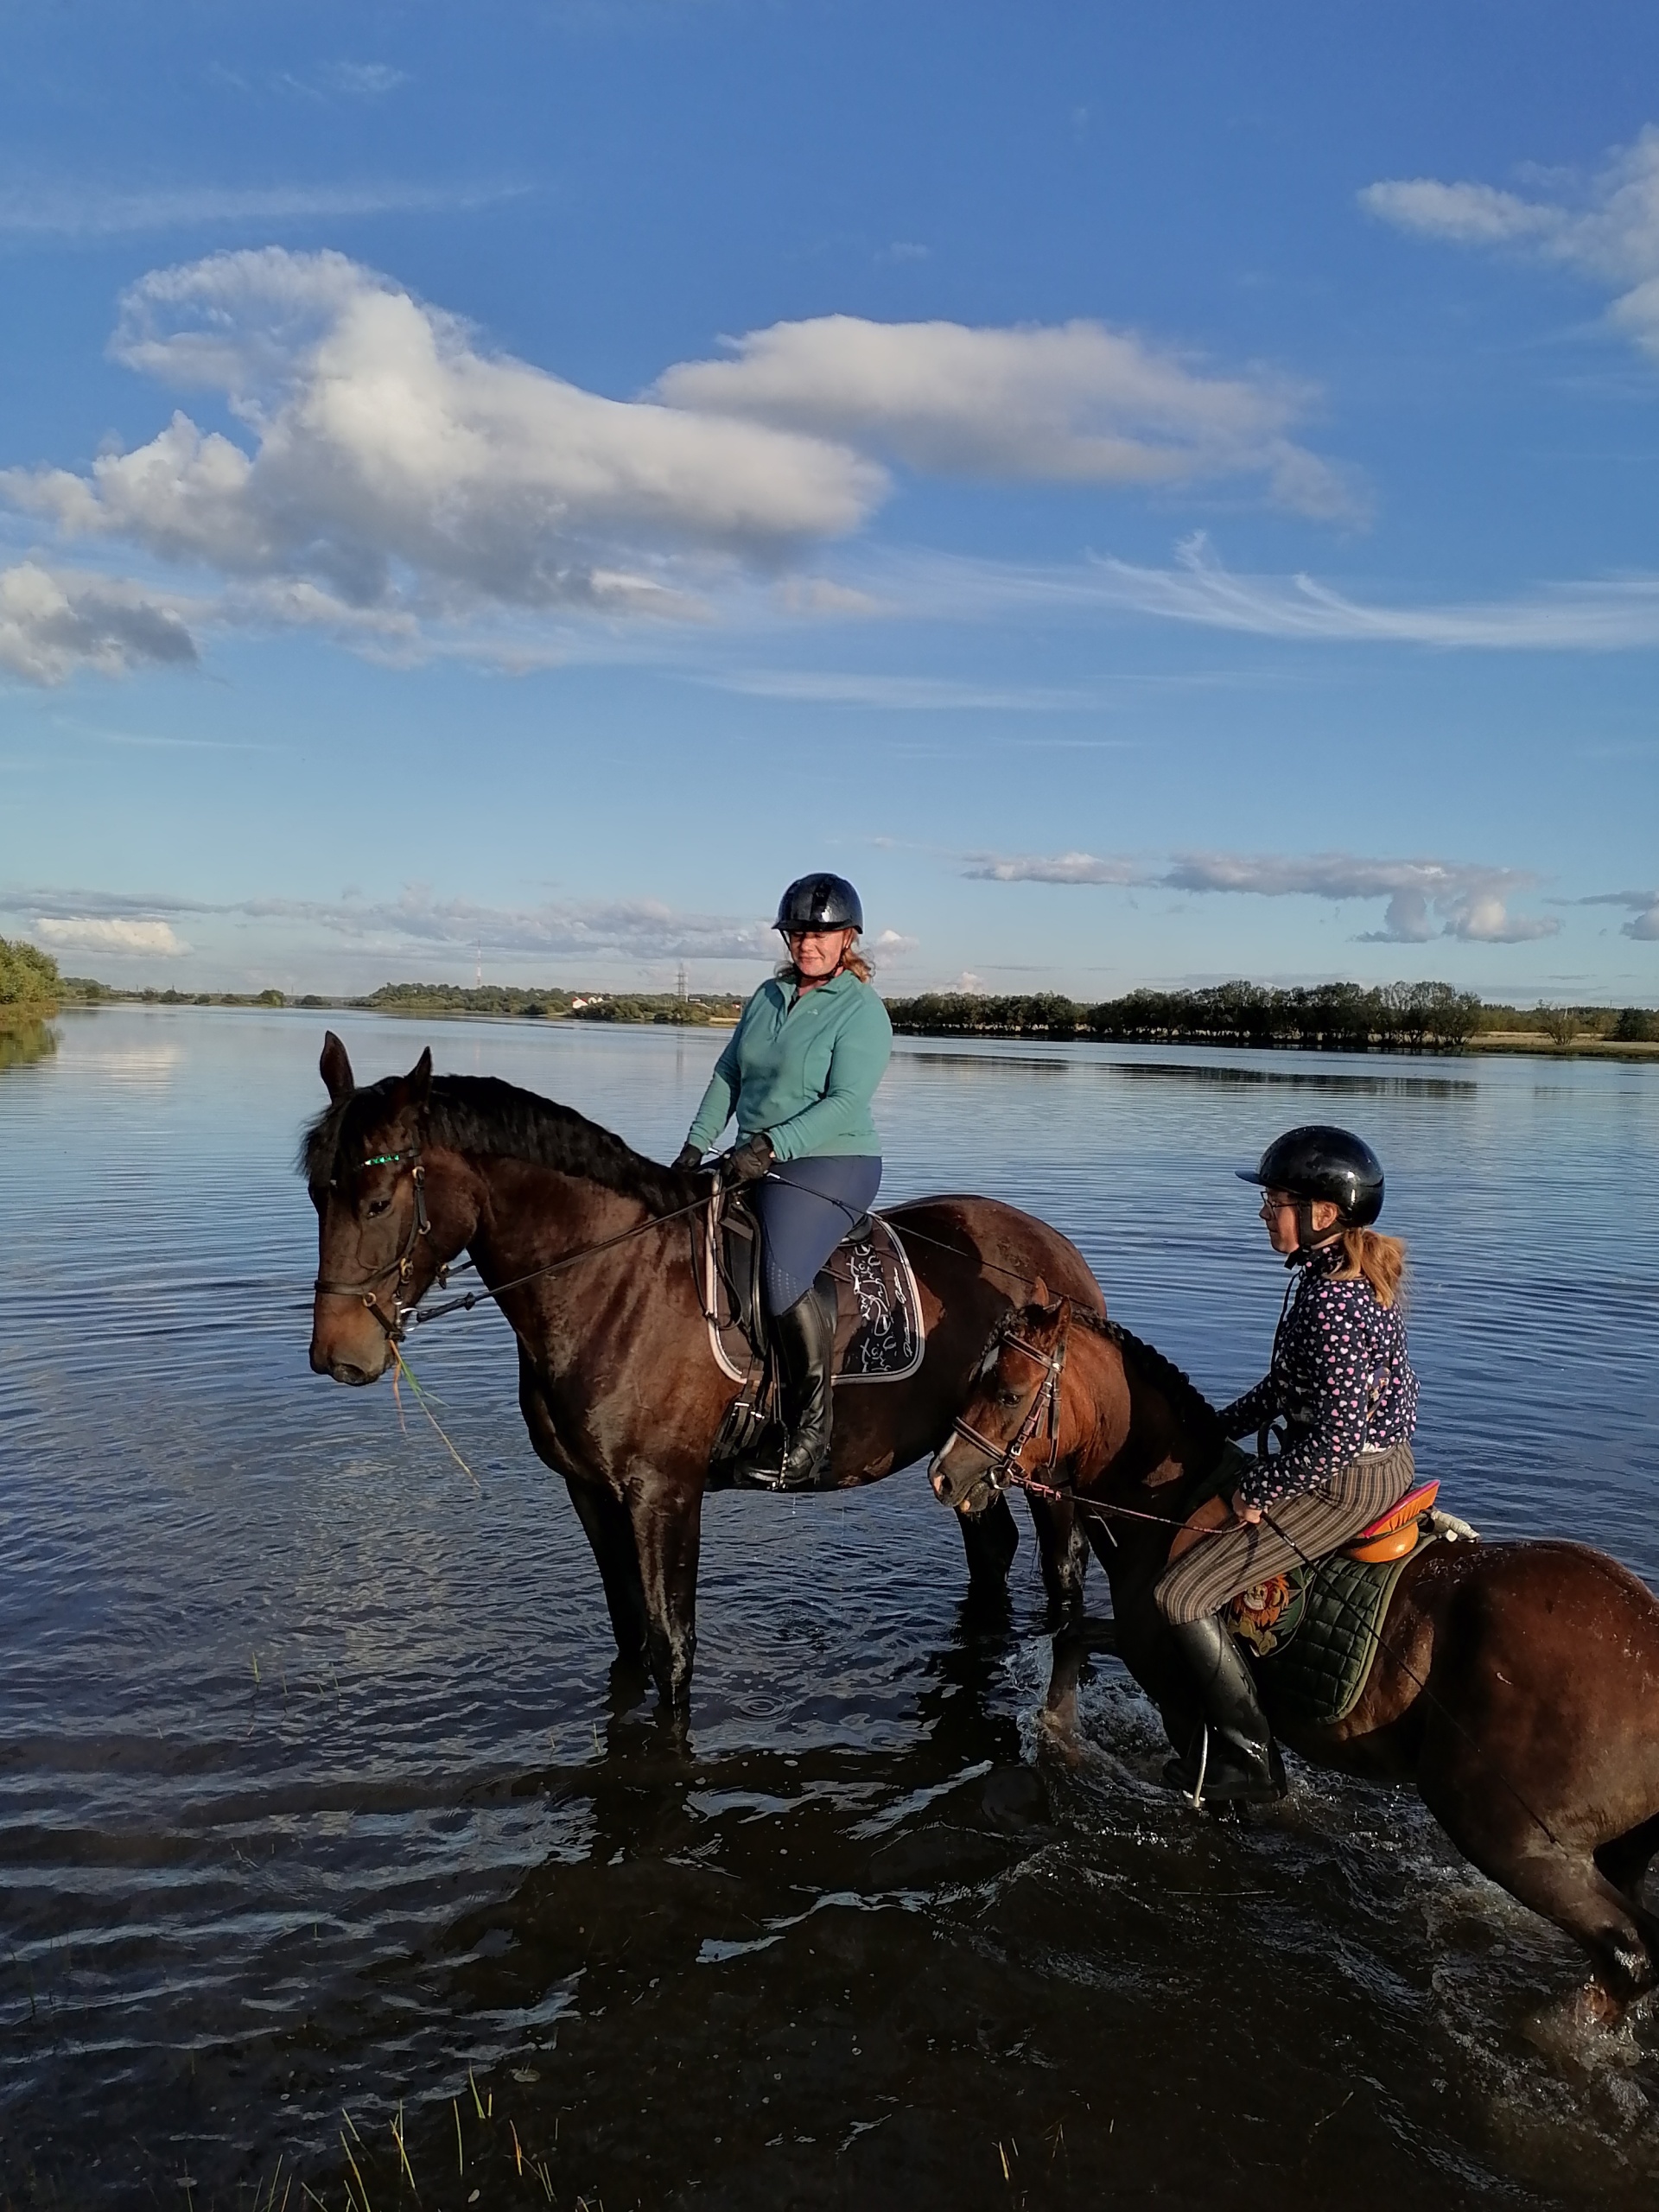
(852, 959)
(1380, 1260)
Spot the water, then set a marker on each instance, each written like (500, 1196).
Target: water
(314, 1796)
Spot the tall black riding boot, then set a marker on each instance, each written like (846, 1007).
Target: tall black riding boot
(805, 1337)
(1235, 1759)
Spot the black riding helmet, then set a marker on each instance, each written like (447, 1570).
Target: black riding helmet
(819, 902)
(1321, 1162)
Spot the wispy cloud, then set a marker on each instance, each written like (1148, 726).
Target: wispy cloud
(92, 212)
(416, 921)
(903, 694)
(1605, 226)
(1426, 897)
(1603, 617)
(1643, 906)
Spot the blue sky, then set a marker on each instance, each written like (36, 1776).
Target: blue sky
(1152, 494)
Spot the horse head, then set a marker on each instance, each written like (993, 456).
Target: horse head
(1014, 1405)
(376, 1252)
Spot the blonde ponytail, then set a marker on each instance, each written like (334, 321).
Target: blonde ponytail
(1381, 1260)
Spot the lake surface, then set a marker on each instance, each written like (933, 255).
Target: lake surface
(316, 1808)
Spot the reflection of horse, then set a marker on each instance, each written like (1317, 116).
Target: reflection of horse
(1517, 1687)
(590, 1246)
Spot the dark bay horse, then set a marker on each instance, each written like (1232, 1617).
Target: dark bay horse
(1517, 1686)
(616, 1382)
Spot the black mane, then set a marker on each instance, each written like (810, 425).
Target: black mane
(481, 1114)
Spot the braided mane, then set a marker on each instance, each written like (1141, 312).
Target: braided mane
(1183, 1392)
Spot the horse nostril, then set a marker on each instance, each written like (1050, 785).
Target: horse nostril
(343, 1373)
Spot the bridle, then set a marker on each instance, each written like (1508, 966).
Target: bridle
(1005, 1466)
(402, 1267)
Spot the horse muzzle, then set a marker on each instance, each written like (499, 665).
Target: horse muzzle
(352, 1347)
(967, 1490)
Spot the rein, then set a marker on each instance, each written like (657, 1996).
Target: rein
(402, 1318)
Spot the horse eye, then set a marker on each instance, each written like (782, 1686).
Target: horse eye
(1007, 1397)
(376, 1206)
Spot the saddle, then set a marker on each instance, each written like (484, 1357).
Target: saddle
(880, 1335)
(1313, 1634)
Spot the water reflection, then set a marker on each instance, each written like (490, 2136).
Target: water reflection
(23, 1042)
(315, 1789)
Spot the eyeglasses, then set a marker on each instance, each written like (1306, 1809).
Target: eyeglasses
(1271, 1205)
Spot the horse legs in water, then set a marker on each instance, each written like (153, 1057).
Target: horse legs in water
(667, 1538)
(990, 1540)
(610, 1532)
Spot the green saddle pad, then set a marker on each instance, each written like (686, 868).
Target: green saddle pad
(1313, 1635)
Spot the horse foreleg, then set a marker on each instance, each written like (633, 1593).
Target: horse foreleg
(990, 1540)
(610, 1532)
(667, 1533)
(1063, 1548)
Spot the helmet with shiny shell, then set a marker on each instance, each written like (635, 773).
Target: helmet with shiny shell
(819, 902)
(1321, 1162)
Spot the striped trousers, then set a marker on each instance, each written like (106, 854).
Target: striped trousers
(1316, 1521)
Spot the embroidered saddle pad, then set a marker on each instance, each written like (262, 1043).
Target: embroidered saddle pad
(880, 1333)
(1313, 1635)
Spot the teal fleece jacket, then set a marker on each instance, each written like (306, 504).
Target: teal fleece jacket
(802, 1066)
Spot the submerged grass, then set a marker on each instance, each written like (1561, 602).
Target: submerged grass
(495, 2164)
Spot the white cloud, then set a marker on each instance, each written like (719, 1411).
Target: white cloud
(1075, 403)
(89, 934)
(1426, 897)
(394, 464)
(1060, 868)
(55, 622)
(1606, 227)
(1643, 924)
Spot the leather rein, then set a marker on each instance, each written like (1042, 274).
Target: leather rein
(397, 1325)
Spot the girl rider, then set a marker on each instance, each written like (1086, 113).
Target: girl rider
(799, 1073)
(1341, 1383)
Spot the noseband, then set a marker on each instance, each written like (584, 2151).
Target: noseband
(1045, 1404)
(366, 1288)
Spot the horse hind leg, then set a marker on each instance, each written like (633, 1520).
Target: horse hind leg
(1569, 1888)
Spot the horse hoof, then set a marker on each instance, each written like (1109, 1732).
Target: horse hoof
(1586, 2029)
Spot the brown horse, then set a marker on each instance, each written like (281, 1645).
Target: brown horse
(1517, 1685)
(589, 1246)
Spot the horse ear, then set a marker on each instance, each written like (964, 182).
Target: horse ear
(335, 1068)
(1039, 1293)
(418, 1082)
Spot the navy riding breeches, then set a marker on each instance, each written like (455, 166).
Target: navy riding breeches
(806, 1207)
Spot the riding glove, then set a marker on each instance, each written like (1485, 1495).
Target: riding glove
(688, 1156)
(749, 1161)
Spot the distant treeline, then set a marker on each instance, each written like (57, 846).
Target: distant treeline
(664, 1007)
(1335, 1017)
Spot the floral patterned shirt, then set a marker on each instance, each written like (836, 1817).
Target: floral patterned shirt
(1340, 1377)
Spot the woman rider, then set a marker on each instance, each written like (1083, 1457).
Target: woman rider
(1341, 1384)
(799, 1073)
